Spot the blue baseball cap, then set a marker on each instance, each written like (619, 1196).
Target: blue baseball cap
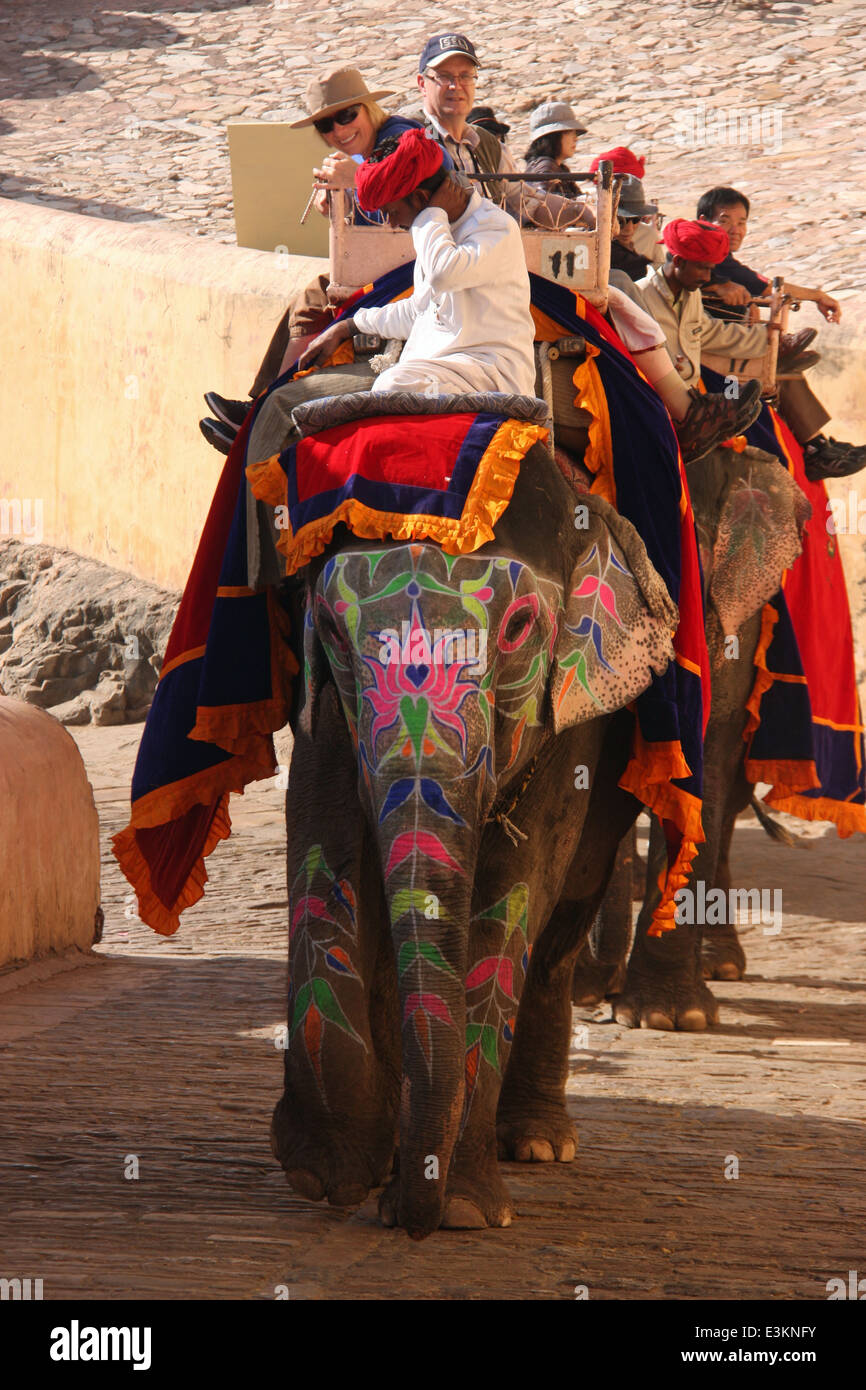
(443, 46)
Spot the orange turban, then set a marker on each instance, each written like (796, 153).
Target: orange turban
(399, 173)
(696, 241)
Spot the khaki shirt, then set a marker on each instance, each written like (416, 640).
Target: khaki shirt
(462, 151)
(688, 328)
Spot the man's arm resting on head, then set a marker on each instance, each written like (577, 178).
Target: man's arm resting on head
(447, 266)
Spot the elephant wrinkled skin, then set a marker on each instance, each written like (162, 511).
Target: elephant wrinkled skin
(750, 515)
(438, 832)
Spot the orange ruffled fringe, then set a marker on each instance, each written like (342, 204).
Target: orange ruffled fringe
(653, 767)
(649, 777)
(791, 777)
(244, 730)
(487, 499)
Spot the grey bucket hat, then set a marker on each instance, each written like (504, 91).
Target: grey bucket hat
(553, 116)
(632, 199)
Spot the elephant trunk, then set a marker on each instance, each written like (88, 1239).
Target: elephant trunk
(428, 864)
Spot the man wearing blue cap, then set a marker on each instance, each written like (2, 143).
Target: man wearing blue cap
(446, 76)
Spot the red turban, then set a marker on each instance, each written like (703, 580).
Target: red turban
(696, 241)
(399, 173)
(623, 161)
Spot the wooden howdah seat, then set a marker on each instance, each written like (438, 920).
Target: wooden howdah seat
(575, 257)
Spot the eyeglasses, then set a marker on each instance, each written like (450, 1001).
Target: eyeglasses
(451, 79)
(345, 117)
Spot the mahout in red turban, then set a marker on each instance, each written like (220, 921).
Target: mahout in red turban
(623, 161)
(696, 241)
(399, 173)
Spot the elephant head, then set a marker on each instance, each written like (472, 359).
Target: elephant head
(451, 671)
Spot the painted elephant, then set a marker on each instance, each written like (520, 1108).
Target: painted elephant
(444, 859)
(749, 514)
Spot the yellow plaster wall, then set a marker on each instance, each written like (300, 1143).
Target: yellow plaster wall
(109, 335)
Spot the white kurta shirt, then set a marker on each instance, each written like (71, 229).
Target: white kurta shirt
(467, 324)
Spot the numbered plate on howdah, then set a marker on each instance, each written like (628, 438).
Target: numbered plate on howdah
(568, 260)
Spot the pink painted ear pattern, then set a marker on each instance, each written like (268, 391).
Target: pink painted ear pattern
(610, 643)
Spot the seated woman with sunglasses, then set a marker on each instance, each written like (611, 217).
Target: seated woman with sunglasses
(353, 129)
(632, 209)
(349, 118)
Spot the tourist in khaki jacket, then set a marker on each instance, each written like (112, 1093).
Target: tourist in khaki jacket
(670, 295)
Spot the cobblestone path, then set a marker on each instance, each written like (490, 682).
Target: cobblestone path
(164, 1050)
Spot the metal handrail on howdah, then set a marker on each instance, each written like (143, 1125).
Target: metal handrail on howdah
(537, 178)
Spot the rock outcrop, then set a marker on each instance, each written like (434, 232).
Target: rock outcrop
(77, 638)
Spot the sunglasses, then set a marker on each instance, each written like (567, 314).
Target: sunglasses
(345, 117)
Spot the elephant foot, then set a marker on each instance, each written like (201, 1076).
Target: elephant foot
(475, 1198)
(594, 981)
(536, 1133)
(339, 1166)
(665, 1003)
(722, 956)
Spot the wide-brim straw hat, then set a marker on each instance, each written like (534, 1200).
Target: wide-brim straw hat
(335, 89)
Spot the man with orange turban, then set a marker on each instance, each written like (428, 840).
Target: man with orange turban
(670, 296)
(467, 325)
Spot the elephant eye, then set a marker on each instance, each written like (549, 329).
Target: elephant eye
(518, 622)
(516, 625)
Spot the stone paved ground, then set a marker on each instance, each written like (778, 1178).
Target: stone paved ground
(164, 1049)
(120, 111)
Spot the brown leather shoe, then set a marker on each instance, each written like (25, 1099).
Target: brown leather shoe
(792, 344)
(799, 364)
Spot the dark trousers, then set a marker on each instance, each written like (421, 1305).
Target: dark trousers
(309, 312)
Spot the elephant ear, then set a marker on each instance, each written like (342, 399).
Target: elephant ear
(618, 624)
(758, 535)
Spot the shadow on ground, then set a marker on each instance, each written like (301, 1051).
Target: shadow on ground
(135, 1163)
